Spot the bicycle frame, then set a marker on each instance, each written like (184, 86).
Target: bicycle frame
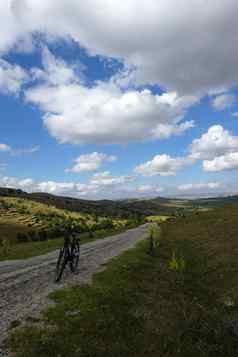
(68, 254)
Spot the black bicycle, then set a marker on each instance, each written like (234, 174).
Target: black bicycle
(69, 254)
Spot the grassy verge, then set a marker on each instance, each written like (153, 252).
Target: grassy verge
(31, 249)
(157, 219)
(181, 302)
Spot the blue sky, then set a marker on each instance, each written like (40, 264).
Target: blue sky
(105, 101)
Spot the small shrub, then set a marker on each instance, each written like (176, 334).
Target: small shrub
(22, 237)
(155, 232)
(91, 235)
(5, 246)
(176, 263)
(54, 233)
(43, 235)
(33, 236)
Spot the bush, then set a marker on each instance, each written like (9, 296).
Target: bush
(22, 237)
(43, 235)
(54, 233)
(33, 236)
(22, 210)
(106, 223)
(5, 246)
(91, 235)
(176, 263)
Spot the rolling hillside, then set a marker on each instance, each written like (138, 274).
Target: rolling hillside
(29, 228)
(119, 208)
(180, 302)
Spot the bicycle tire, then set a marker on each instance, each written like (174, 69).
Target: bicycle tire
(60, 265)
(76, 255)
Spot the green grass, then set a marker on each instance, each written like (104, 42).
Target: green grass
(31, 249)
(157, 219)
(142, 306)
(19, 215)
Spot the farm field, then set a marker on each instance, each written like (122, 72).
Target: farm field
(183, 301)
(29, 228)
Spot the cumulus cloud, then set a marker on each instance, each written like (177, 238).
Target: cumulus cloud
(165, 45)
(223, 101)
(106, 114)
(217, 141)
(12, 77)
(97, 186)
(90, 162)
(221, 163)
(106, 185)
(200, 186)
(106, 179)
(149, 189)
(53, 187)
(101, 185)
(55, 71)
(163, 165)
(62, 188)
(217, 148)
(14, 182)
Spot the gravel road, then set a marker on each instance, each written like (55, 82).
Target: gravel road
(26, 284)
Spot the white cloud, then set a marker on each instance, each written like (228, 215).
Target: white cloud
(8, 149)
(5, 147)
(97, 187)
(90, 162)
(225, 162)
(25, 183)
(200, 186)
(14, 182)
(12, 77)
(163, 165)
(56, 187)
(218, 149)
(105, 114)
(25, 151)
(235, 114)
(216, 142)
(104, 185)
(144, 189)
(106, 179)
(165, 45)
(223, 101)
(55, 71)
(53, 187)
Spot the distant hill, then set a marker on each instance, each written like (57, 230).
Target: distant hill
(119, 208)
(217, 201)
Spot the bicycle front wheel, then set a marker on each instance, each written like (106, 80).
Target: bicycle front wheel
(75, 260)
(60, 266)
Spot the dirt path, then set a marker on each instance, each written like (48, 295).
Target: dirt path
(25, 284)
